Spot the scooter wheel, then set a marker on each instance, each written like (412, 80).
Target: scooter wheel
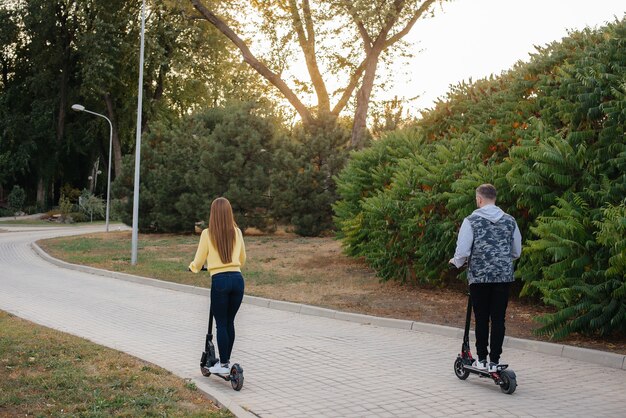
(205, 371)
(236, 377)
(508, 381)
(459, 370)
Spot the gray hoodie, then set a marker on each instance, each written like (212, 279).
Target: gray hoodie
(465, 240)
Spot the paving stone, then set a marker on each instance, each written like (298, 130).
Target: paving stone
(296, 364)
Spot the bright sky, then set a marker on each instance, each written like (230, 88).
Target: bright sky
(475, 38)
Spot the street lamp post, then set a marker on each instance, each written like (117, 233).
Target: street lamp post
(81, 108)
(135, 233)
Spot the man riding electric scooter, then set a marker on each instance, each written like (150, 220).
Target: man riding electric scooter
(489, 240)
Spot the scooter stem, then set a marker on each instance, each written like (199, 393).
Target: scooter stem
(468, 320)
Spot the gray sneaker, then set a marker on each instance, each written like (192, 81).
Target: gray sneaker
(493, 367)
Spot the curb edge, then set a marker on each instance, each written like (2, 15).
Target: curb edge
(602, 358)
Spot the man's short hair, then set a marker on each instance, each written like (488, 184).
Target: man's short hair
(486, 191)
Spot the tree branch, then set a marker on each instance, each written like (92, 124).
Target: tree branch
(307, 44)
(308, 20)
(248, 57)
(395, 38)
(297, 24)
(367, 39)
(391, 20)
(347, 92)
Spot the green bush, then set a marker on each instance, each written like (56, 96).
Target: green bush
(549, 134)
(91, 206)
(366, 173)
(219, 152)
(16, 199)
(78, 217)
(65, 206)
(583, 267)
(304, 175)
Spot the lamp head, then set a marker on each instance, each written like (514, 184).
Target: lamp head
(78, 108)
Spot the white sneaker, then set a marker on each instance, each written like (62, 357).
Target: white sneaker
(480, 364)
(493, 367)
(220, 368)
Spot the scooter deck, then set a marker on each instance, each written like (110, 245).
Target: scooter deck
(484, 372)
(225, 376)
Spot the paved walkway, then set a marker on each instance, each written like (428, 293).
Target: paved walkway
(295, 365)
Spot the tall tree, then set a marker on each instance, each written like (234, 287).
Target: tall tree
(59, 52)
(334, 36)
(172, 87)
(41, 89)
(13, 152)
(108, 58)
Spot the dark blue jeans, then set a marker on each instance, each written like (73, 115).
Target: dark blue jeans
(489, 301)
(226, 296)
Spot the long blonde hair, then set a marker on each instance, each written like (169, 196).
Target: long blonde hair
(222, 228)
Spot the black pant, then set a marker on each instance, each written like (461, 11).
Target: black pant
(226, 296)
(489, 301)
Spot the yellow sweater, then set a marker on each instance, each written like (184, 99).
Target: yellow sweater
(208, 254)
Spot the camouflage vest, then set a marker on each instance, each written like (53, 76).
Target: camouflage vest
(491, 260)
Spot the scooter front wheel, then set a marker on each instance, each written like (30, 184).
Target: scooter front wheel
(459, 370)
(236, 377)
(508, 381)
(205, 371)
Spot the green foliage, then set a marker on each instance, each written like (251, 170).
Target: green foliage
(91, 206)
(388, 116)
(79, 217)
(220, 152)
(304, 172)
(575, 184)
(367, 171)
(65, 205)
(55, 53)
(405, 228)
(583, 273)
(70, 192)
(549, 134)
(16, 199)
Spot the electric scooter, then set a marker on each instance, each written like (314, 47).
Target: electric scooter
(464, 363)
(235, 377)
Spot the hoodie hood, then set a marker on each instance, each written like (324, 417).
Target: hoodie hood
(489, 212)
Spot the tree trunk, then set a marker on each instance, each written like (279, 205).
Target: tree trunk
(373, 49)
(62, 101)
(5, 73)
(41, 193)
(306, 39)
(359, 127)
(117, 146)
(68, 29)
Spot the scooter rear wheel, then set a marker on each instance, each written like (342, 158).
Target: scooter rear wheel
(459, 370)
(508, 381)
(236, 377)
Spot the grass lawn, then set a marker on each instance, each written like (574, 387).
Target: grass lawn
(48, 373)
(312, 271)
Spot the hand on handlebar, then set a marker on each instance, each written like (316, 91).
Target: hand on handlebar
(202, 269)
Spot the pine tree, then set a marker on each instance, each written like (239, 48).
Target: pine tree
(304, 177)
(219, 152)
